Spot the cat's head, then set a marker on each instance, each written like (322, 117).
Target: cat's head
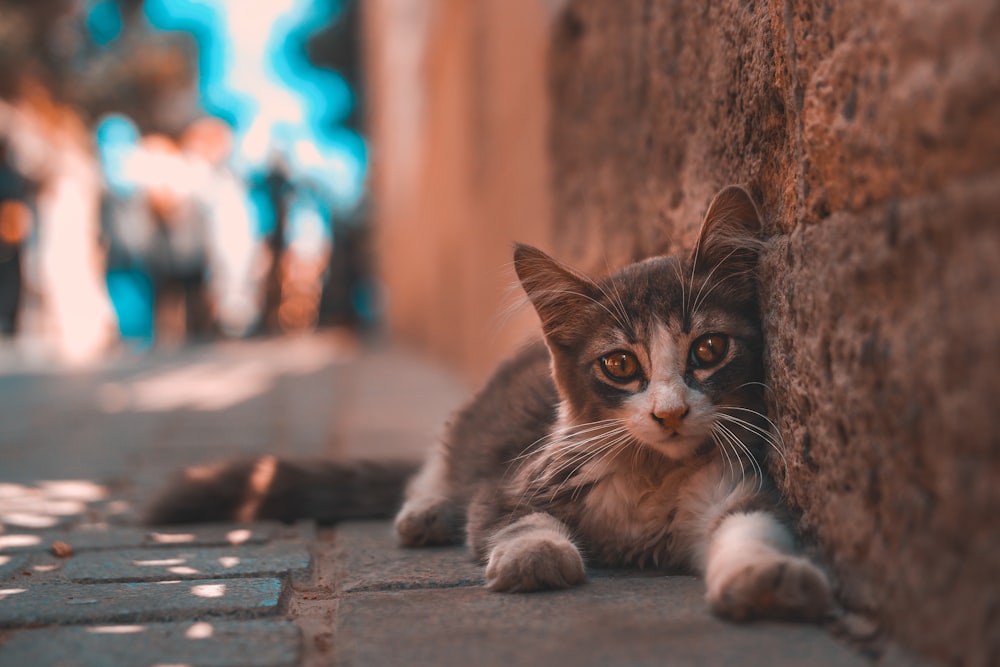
(662, 347)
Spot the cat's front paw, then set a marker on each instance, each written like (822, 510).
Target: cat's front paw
(781, 587)
(534, 562)
(426, 521)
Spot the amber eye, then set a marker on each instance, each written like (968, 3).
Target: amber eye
(620, 366)
(709, 349)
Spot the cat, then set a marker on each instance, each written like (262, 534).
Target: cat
(633, 434)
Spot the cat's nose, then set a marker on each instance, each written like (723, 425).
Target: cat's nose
(670, 418)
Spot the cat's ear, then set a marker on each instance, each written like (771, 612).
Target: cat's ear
(561, 296)
(730, 234)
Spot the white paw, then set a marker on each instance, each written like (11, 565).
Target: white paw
(534, 562)
(779, 587)
(426, 521)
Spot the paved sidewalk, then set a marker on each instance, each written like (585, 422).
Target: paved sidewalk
(81, 584)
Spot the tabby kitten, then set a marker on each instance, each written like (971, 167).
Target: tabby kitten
(634, 435)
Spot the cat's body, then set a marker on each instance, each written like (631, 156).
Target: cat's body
(634, 436)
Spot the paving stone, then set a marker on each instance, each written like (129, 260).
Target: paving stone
(208, 643)
(634, 621)
(273, 559)
(45, 604)
(118, 537)
(12, 565)
(371, 560)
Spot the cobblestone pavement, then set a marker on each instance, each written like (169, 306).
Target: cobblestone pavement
(82, 584)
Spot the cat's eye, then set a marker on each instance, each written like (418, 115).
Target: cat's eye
(620, 366)
(708, 350)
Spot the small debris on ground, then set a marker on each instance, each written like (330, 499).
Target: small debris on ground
(61, 549)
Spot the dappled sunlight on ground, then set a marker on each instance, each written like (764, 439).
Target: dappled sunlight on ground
(47, 503)
(200, 630)
(221, 383)
(209, 590)
(172, 538)
(13, 541)
(116, 629)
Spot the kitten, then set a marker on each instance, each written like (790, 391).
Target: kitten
(634, 434)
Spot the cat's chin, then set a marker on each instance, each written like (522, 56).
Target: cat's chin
(678, 448)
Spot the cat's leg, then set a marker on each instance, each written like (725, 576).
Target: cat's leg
(429, 515)
(533, 553)
(752, 571)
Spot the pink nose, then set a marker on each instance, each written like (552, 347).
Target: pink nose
(670, 419)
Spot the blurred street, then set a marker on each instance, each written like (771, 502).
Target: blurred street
(127, 422)
(82, 584)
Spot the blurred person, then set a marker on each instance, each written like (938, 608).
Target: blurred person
(350, 292)
(15, 227)
(128, 230)
(277, 190)
(77, 317)
(305, 262)
(178, 257)
(232, 248)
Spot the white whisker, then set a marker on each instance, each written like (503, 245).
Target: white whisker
(698, 301)
(564, 449)
(765, 386)
(589, 298)
(758, 471)
(733, 446)
(764, 434)
(725, 454)
(774, 426)
(615, 297)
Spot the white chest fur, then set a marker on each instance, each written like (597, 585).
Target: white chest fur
(628, 518)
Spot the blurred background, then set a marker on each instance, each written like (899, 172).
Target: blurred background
(177, 171)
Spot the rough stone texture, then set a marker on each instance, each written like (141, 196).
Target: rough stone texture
(11, 565)
(213, 643)
(870, 134)
(370, 560)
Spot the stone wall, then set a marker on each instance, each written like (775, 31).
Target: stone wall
(870, 134)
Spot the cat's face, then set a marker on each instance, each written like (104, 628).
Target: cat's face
(664, 347)
(657, 360)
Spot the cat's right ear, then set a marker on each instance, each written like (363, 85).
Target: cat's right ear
(730, 233)
(561, 296)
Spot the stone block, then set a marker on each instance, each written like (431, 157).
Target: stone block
(275, 559)
(213, 642)
(882, 346)
(70, 604)
(95, 538)
(631, 621)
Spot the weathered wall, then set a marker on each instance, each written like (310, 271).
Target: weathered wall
(870, 133)
(459, 114)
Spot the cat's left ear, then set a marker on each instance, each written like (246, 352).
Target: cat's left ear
(561, 296)
(730, 234)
